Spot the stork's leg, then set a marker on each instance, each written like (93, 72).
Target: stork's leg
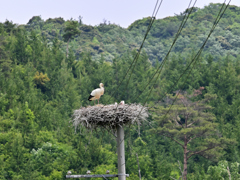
(98, 101)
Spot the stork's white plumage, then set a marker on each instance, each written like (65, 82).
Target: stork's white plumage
(88, 172)
(97, 93)
(122, 103)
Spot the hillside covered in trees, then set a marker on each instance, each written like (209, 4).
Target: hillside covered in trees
(111, 40)
(41, 85)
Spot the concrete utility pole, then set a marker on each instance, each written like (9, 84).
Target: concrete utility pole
(121, 153)
(121, 159)
(111, 117)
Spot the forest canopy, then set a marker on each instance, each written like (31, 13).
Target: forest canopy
(41, 86)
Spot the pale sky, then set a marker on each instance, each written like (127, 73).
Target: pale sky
(121, 12)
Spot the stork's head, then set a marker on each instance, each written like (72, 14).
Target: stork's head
(122, 103)
(101, 85)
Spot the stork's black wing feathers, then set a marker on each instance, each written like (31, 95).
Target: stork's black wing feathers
(90, 97)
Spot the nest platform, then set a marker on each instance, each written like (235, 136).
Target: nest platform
(109, 116)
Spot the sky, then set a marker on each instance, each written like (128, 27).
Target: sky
(93, 12)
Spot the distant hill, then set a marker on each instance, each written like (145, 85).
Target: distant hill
(41, 86)
(110, 40)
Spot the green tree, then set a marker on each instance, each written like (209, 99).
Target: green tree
(52, 157)
(224, 170)
(9, 26)
(191, 125)
(21, 47)
(70, 31)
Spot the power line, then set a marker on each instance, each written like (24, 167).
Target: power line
(183, 22)
(201, 49)
(174, 41)
(139, 51)
(186, 16)
(156, 8)
(198, 54)
(137, 55)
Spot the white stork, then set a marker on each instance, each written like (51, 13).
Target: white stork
(122, 103)
(97, 93)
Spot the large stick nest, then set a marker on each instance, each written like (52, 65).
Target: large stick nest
(109, 116)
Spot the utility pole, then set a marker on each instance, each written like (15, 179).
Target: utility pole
(121, 153)
(121, 159)
(93, 117)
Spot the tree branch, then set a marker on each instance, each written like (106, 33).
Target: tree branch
(229, 174)
(183, 103)
(200, 152)
(179, 124)
(138, 167)
(172, 178)
(196, 136)
(180, 168)
(192, 123)
(173, 140)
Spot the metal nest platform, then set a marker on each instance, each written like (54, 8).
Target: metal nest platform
(109, 116)
(105, 176)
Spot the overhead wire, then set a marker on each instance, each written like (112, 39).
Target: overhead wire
(201, 49)
(174, 41)
(219, 16)
(155, 11)
(137, 55)
(199, 52)
(139, 50)
(183, 22)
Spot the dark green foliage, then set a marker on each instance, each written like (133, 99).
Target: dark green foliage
(70, 30)
(9, 26)
(139, 23)
(59, 20)
(35, 20)
(191, 125)
(114, 40)
(40, 87)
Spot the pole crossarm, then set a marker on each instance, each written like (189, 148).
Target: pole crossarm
(96, 175)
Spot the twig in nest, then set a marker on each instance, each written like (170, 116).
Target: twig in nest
(109, 116)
